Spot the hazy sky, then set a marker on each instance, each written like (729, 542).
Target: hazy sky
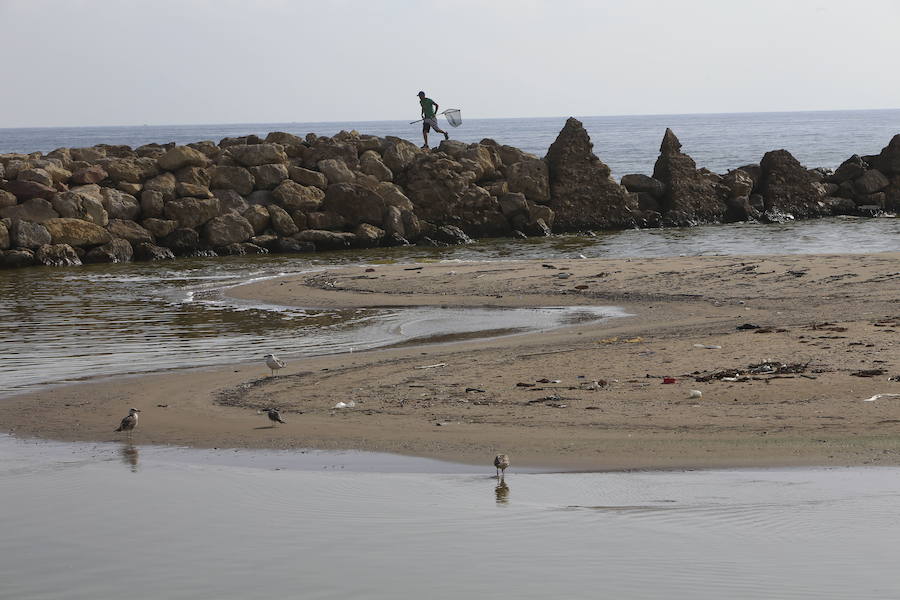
(132, 62)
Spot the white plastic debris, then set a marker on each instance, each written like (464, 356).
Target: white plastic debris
(729, 379)
(696, 394)
(708, 346)
(434, 366)
(880, 396)
(350, 404)
(563, 275)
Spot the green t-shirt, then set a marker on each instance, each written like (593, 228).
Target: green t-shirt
(427, 107)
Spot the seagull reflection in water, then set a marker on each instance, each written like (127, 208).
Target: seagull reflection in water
(502, 492)
(129, 454)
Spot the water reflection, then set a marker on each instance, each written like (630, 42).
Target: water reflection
(129, 455)
(502, 492)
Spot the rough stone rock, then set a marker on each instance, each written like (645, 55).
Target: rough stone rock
(292, 246)
(230, 202)
(888, 161)
(450, 234)
(57, 255)
(241, 249)
(850, 169)
(28, 234)
(181, 156)
(76, 232)
(160, 228)
(238, 179)
(689, 197)
(164, 184)
(787, 188)
(878, 199)
(63, 155)
(454, 148)
(7, 199)
(399, 154)
(285, 139)
(14, 259)
(183, 241)
(736, 189)
(129, 230)
(152, 150)
(300, 219)
(37, 210)
(189, 190)
(370, 163)
(393, 195)
(412, 225)
(268, 177)
(152, 252)
(120, 205)
(258, 217)
(367, 236)
(331, 149)
(207, 147)
(261, 198)
(870, 182)
(509, 155)
(25, 190)
(308, 177)
(637, 182)
(36, 175)
(840, 206)
(293, 196)
(393, 222)
(258, 154)
(892, 194)
(582, 193)
(192, 212)
(116, 150)
(132, 189)
(4, 236)
(227, 229)
(90, 155)
(122, 169)
(355, 203)
(152, 204)
(192, 175)
(531, 177)
(116, 251)
(336, 171)
(74, 205)
(513, 205)
(326, 220)
(282, 222)
(326, 240)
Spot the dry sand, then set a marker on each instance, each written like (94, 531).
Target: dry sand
(533, 396)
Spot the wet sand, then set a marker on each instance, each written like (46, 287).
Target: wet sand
(533, 396)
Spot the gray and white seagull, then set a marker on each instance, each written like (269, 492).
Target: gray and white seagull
(274, 416)
(274, 363)
(130, 422)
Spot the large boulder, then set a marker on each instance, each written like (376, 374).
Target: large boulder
(258, 217)
(36, 175)
(639, 183)
(870, 182)
(293, 196)
(160, 228)
(153, 204)
(129, 230)
(268, 177)
(17, 258)
(7, 199)
(37, 210)
(370, 163)
(192, 212)
(230, 201)
(151, 252)
(331, 149)
(308, 177)
(183, 241)
(25, 190)
(120, 205)
(399, 154)
(57, 255)
(689, 197)
(336, 171)
(76, 232)
(531, 177)
(164, 184)
(355, 203)
(253, 155)
(367, 236)
(227, 229)
(393, 196)
(75, 205)
(281, 221)
(325, 220)
(326, 240)
(91, 174)
(888, 161)
(4, 236)
(27, 234)
(850, 169)
(735, 191)
(192, 175)
(787, 187)
(238, 179)
(582, 193)
(116, 251)
(182, 156)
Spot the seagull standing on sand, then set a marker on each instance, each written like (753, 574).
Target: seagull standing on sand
(274, 416)
(273, 363)
(130, 422)
(501, 461)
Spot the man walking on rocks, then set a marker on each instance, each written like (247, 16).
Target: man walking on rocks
(429, 120)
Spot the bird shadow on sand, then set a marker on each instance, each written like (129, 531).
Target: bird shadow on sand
(265, 427)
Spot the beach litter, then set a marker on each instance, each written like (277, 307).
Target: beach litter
(880, 396)
(708, 346)
(868, 372)
(669, 380)
(434, 366)
(350, 404)
(695, 394)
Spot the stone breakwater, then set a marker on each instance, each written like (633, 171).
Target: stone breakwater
(289, 194)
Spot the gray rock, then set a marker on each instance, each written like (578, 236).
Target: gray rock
(14, 259)
(28, 234)
(36, 210)
(152, 204)
(513, 204)
(787, 188)
(120, 205)
(531, 177)
(870, 182)
(160, 228)
(393, 222)
(355, 203)
(850, 169)
(393, 195)
(336, 171)
(57, 255)
(183, 241)
(129, 230)
(367, 236)
(370, 163)
(241, 249)
(4, 237)
(399, 154)
(293, 196)
(269, 176)
(258, 217)
(227, 229)
(116, 251)
(258, 154)
(292, 246)
(230, 202)
(7, 199)
(261, 198)
(164, 184)
(642, 183)
(308, 177)
(238, 179)
(152, 252)
(326, 240)
(327, 220)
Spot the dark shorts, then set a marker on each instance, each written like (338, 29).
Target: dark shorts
(428, 124)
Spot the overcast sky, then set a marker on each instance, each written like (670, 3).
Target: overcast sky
(133, 62)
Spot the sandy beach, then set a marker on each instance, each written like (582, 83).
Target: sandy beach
(784, 350)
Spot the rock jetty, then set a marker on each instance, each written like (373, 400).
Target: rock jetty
(287, 194)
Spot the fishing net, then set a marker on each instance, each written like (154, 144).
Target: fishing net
(454, 117)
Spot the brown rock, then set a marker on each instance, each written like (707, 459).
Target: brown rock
(230, 201)
(399, 154)
(57, 255)
(152, 252)
(164, 184)
(76, 232)
(129, 230)
(26, 190)
(75, 205)
(238, 179)
(227, 229)
(152, 204)
(120, 205)
(7, 199)
(4, 237)
(336, 171)
(37, 210)
(282, 222)
(160, 228)
(293, 196)
(269, 176)
(189, 190)
(582, 194)
(888, 161)
(689, 197)
(308, 177)
(181, 156)
(28, 234)
(330, 221)
(355, 203)
(787, 187)
(258, 154)
(258, 217)
(116, 251)
(870, 182)
(36, 175)
(192, 212)
(14, 259)
(370, 163)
